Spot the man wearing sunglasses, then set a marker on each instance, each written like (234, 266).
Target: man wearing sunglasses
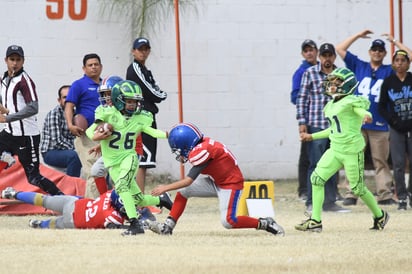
(370, 75)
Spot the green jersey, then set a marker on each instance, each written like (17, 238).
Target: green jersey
(122, 142)
(345, 118)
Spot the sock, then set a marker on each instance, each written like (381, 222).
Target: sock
(101, 184)
(370, 201)
(33, 198)
(318, 196)
(178, 207)
(45, 223)
(3, 165)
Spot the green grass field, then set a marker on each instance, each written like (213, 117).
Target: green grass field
(201, 245)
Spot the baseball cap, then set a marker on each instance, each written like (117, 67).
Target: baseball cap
(14, 49)
(141, 41)
(378, 43)
(326, 47)
(309, 43)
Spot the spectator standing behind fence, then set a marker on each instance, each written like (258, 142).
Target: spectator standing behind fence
(395, 104)
(57, 142)
(370, 76)
(83, 98)
(310, 56)
(19, 108)
(152, 95)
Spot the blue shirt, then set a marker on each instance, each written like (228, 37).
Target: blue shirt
(83, 93)
(296, 79)
(370, 83)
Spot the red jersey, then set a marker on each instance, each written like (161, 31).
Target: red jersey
(89, 213)
(222, 165)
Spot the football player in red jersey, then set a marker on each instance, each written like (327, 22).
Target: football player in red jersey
(76, 212)
(223, 180)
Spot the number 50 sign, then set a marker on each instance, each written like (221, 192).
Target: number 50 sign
(77, 9)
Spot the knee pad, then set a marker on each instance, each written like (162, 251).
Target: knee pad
(316, 180)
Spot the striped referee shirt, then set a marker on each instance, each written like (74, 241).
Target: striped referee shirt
(18, 94)
(312, 99)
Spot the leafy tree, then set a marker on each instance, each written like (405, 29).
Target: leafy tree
(146, 15)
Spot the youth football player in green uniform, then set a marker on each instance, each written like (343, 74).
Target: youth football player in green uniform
(346, 113)
(118, 148)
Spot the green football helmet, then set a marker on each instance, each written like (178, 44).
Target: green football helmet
(124, 90)
(343, 79)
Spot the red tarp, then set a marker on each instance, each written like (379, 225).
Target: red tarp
(16, 178)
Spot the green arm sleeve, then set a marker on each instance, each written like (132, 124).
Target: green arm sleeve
(155, 133)
(361, 112)
(321, 134)
(90, 131)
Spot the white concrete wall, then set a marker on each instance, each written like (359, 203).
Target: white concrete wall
(238, 57)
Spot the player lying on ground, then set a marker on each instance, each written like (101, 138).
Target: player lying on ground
(76, 212)
(346, 113)
(211, 158)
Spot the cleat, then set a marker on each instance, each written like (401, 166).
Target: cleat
(271, 226)
(9, 193)
(165, 228)
(402, 205)
(35, 223)
(379, 223)
(350, 201)
(8, 158)
(310, 225)
(145, 214)
(135, 228)
(165, 201)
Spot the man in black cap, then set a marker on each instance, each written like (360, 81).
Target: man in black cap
(21, 135)
(310, 56)
(152, 95)
(309, 106)
(370, 76)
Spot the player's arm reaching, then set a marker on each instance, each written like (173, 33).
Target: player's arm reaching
(188, 180)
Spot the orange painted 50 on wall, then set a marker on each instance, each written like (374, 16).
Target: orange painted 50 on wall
(76, 9)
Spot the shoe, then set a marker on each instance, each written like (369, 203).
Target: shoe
(336, 208)
(349, 201)
(8, 158)
(8, 193)
(165, 201)
(165, 228)
(310, 225)
(145, 214)
(154, 209)
(271, 226)
(303, 197)
(379, 223)
(35, 223)
(339, 197)
(402, 205)
(135, 228)
(387, 202)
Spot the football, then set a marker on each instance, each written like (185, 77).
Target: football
(80, 121)
(104, 127)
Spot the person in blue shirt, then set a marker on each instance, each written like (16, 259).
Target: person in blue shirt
(83, 99)
(370, 75)
(310, 58)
